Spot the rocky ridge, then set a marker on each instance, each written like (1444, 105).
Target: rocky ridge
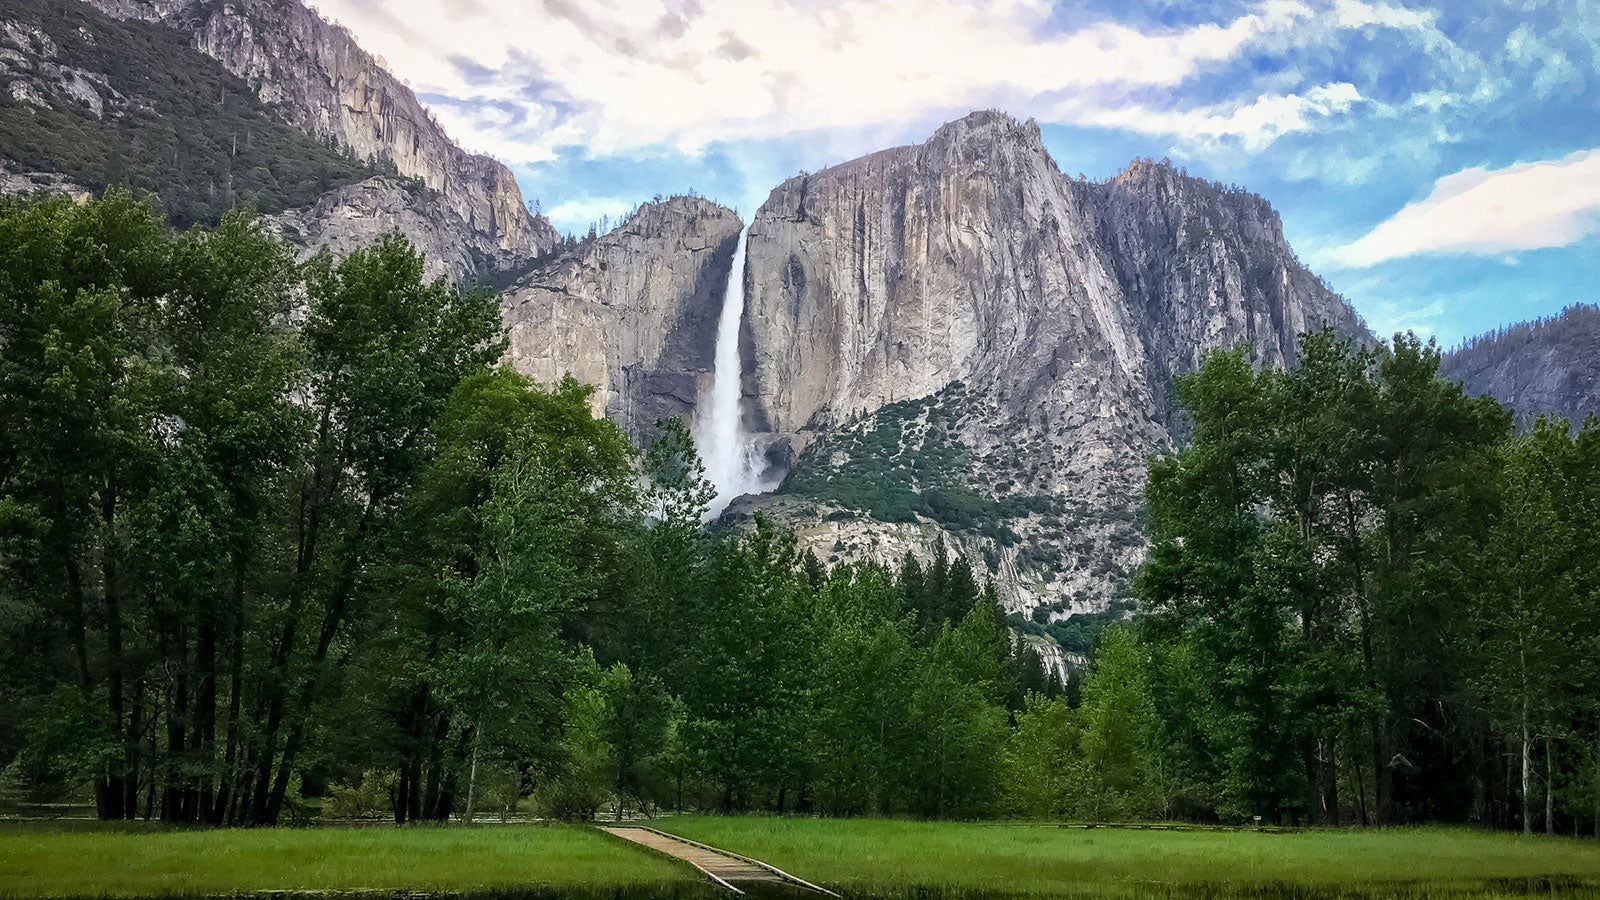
(1546, 367)
(356, 215)
(316, 74)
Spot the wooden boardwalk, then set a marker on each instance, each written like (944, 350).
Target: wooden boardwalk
(724, 867)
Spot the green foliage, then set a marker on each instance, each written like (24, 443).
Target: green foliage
(905, 461)
(1350, 567)
(273, 532)
(1042, 767)
(184, 130)
(188, 531)
(366, 799)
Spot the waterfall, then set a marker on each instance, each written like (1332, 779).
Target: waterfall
(729, 456)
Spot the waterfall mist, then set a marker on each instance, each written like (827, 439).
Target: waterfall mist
(732, 465)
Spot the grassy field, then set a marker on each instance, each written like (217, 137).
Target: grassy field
(865, 859)
(897, 857)
(49, 862)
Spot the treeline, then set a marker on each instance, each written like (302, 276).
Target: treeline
(273, 532)
(1576, 324)
(1367, 601)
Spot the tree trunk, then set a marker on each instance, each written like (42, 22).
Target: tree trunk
(223, 809)
(1527, 772)
(1359, 767)
(1549, 785)
(332, 619)
(1597, 782)
(472, 777)
(111, 584)
(204, 737)
(1330, 786)
(403, 790)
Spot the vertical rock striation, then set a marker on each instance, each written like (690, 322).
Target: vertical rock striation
(962, 301)
(633, 311)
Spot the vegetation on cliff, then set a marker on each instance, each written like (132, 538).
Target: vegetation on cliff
(166, 120)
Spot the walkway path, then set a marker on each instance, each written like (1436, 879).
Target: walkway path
(725, 868)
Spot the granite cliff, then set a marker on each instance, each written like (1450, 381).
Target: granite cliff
(91, 101)
(632, 311)
(317, 77)
(955, 340)
(1546, 367)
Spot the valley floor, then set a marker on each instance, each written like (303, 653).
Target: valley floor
(47, 861)
(861, 858)
(898, 857)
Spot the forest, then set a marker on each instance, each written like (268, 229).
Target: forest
(285, 539)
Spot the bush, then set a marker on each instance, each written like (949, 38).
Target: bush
(370, 799)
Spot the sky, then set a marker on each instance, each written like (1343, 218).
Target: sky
(1438, 164)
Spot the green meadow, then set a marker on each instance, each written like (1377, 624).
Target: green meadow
(896, 856)
(50, 862)
(884, 860)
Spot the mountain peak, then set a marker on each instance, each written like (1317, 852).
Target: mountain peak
(988, 126)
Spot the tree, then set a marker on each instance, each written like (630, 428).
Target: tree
(1528, 639)
(1123, 745)
(386, 350)
(1043, 771)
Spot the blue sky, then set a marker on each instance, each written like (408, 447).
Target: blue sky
(1438, 164)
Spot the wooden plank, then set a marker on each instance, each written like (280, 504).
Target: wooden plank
(720, 867)
(782, 875)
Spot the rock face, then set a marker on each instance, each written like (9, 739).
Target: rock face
(633, 312)
(322, 81)
(958, 340)
(1547, 367)
(356, 215)
(33, 75)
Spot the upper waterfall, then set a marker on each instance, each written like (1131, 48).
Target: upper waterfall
(732, 464)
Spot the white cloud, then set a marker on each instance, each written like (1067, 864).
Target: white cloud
(1252, 125)
(618, 75)
(1552, 203)
(577, 215)
(1356, 14)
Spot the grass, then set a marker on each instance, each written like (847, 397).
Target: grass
(885, 859)
(897, 857)
(52, 862)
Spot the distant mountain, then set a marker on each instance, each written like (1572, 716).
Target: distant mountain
(334, 90)
(955, 341)
(1549, 366)
(945, 342)
(210, 104)
(92, 101)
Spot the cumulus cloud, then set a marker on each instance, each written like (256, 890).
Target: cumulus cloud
(576, 215)
(1487, 212)
(615, 76)
(1252, 125)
